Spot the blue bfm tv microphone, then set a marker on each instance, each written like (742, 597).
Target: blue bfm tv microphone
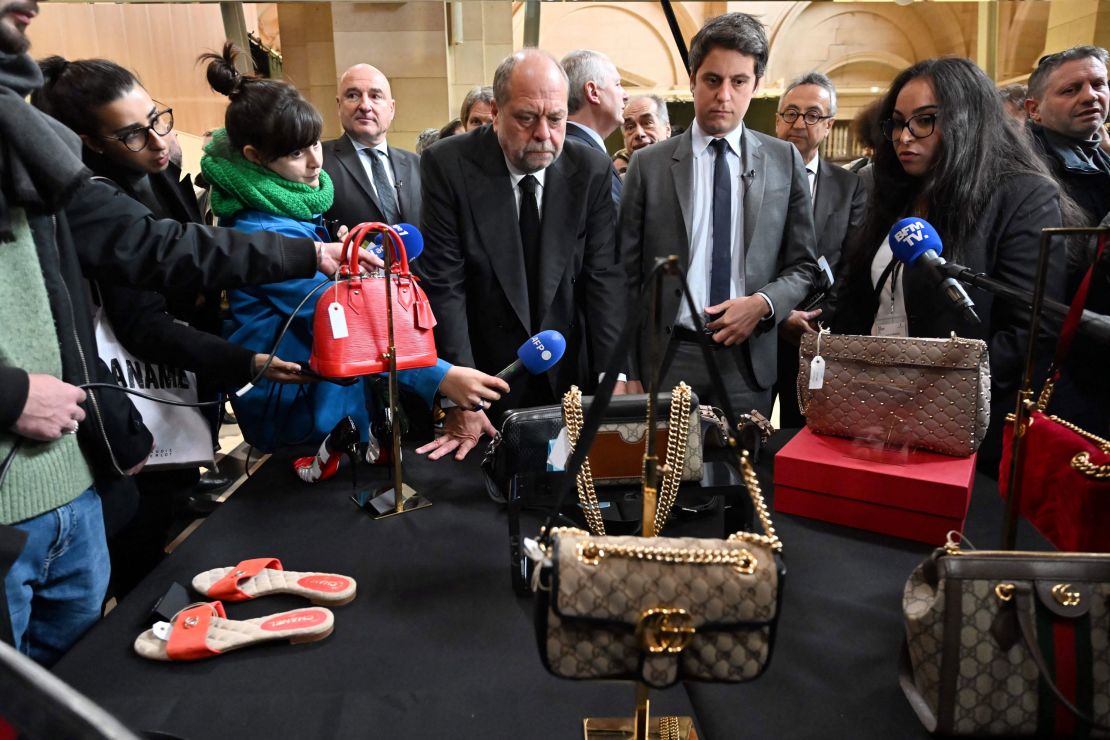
(915, 242)
(537, 355)
(411, 238)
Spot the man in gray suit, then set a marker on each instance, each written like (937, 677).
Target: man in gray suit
(373, 181)
(807, 112)
(734, 205)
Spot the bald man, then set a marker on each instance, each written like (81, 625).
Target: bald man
(519, 238)
(373, 181)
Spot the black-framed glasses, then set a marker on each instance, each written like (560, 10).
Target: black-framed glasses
(811, 117)
(137, 137)
(921, 126)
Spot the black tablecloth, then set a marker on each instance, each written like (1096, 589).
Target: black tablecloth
(437, 644)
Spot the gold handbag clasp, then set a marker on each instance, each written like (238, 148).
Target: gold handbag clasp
(665, 630)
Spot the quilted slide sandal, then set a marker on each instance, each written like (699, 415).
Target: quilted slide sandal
(263, 576)
(203, 630)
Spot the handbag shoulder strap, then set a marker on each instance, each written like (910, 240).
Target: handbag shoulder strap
(1070, 327)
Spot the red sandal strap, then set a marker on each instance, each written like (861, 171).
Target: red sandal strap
(227, 588)
(189, 635)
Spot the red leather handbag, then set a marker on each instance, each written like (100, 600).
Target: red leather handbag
(1065, 471)
(351, 328)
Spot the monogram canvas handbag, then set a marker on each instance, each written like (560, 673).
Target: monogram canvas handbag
(1009, 643)
(659, 609)
(932, 394)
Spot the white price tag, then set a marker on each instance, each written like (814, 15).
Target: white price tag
(338, 321)
(558, 450)
(161, 630)
(817, 373)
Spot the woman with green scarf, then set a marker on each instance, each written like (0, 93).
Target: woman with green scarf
(265, 170)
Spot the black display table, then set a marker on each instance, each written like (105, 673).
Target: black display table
(438, 645)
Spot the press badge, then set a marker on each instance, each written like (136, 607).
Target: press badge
(891, 326)
(338, 321)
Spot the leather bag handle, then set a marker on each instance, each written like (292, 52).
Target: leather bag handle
(1070, 327)
(356, 236)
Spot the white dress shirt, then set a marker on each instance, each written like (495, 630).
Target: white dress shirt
(515, 176)
(811, 170)
(367, 167)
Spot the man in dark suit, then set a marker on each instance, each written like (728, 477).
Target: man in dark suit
(373, 181)
(519, 235)
(734, 205)
(807, 112)
(595, 103)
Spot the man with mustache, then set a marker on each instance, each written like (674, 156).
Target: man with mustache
(373, 181)
(735, 206)
(807, 112)
(519, 237)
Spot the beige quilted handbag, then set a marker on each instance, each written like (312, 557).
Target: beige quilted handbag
(660, 609)
(1008, 643)
(932, 394)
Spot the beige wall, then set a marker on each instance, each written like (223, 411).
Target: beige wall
(159, 42)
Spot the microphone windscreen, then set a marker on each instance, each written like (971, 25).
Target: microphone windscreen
(912, 237)
(539, 354)
(411, 238)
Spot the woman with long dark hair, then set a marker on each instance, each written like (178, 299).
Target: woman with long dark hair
(950, 157)
(265, 169)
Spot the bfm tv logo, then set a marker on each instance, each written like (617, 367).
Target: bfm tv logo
(911, 233)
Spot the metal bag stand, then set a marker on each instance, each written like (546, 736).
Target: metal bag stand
(385, 502)
(641, 726)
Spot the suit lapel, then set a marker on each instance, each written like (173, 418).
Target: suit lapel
(351, 160)
(558, 212)
(493, 212)
(682, 173)
(828, 193)
(753, 198)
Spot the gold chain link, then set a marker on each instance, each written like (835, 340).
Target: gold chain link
(743, 561)
(669, 728)
(587, 494)
(672, 473)
(755, 491)
(1081, 462)
(678, 432)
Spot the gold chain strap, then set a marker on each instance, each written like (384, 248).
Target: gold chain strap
(678, 435)
(743, 561)
(587, 494)
(669, 728)
(672, 472)
(1081, 462)
(751, 481)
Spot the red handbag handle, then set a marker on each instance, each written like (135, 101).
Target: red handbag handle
(1079, 302)
(361, 233)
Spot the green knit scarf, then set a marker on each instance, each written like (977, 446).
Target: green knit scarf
(239, 184)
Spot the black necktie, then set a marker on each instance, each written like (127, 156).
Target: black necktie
(720, 274)
(530, 240)
(386, 197)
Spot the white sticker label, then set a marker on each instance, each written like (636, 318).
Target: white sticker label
(558, 450)
(817, 373)
(161, 630)
(338, 321)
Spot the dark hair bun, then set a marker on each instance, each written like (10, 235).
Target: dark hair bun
(52, 68)
(222, 74)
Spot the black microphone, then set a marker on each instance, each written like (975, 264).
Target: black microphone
(1092, 326)
(914, 242)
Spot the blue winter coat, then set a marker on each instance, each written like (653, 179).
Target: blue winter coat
(275, 414)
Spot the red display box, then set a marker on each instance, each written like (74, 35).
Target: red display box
(907, 493)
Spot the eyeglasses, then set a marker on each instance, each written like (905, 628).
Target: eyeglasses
(138, 137)
(811, 117)
(921, 126)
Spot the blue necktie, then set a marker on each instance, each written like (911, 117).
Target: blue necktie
(720, 274)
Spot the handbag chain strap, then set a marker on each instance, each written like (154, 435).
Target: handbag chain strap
(677, 437)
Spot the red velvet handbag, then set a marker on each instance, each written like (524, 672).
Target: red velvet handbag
(1065, 473)
(351, 332)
